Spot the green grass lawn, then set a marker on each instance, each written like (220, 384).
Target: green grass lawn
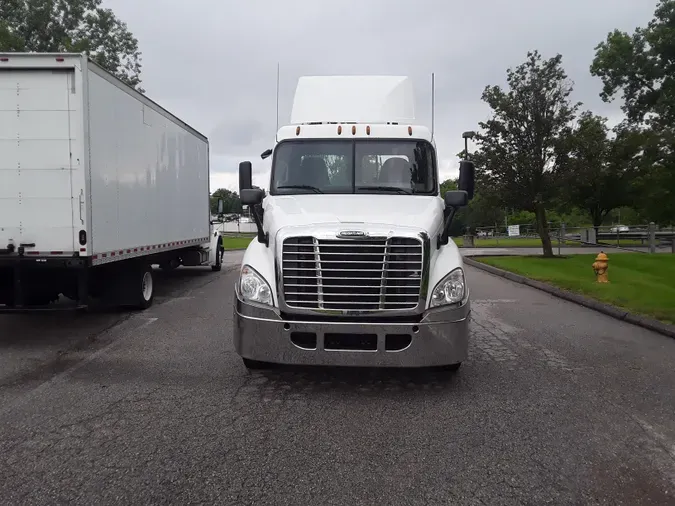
(639, 283)
(533, 242)
(236, 241)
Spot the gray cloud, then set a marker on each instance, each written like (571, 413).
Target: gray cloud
(235, 133)
(213, 62)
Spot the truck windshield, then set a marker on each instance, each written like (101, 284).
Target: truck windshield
(354, 166)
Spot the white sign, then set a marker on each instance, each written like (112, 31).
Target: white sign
(514, 230)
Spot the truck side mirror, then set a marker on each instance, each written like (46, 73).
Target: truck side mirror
(467, 177)
(252, 196)
(221, 206)
(265, 154)
(456, 198)
(245, 177)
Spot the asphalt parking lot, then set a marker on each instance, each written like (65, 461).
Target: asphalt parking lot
(557, 404)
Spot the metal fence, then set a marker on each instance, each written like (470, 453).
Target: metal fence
(234, 227)
(643, 238)
(647, 238)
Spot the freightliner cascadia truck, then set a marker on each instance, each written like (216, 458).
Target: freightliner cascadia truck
(352, 264)
(97, 184)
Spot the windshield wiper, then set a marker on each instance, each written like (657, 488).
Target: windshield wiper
(385, 189)
(300, 187)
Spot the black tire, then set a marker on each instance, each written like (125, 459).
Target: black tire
(142, 287)
(219, 264)
(256, 364)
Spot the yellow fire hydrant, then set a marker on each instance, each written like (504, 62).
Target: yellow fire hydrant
(600, 267)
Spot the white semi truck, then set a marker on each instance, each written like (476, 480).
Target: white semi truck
(352, 264)
(97, 184)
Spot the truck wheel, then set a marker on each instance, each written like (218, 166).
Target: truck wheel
(142, 287)
(256, 364)
(219, 265)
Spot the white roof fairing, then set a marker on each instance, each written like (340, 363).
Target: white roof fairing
(353, 99)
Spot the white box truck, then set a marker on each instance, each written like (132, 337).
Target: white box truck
(97, 184)
(353, 265)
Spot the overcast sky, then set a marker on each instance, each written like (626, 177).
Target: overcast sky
(213, 63)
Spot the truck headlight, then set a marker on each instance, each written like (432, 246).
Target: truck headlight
(253, 287)
(449, 290)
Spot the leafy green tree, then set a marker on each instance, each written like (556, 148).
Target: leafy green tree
(599, 171)
(80, 26)
(231, 201)
(482, 209)
(459, 220)
(526, 218)
(520, 144)
(641, 68)
(449, 185)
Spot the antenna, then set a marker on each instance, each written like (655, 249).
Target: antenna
(433, 92)
(277, 127)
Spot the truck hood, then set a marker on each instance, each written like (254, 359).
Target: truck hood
(416, 211)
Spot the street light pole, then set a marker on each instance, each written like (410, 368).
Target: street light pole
(466, 136)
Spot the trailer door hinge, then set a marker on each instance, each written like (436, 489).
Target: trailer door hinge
(82, 206)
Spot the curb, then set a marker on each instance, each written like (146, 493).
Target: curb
(608, 309)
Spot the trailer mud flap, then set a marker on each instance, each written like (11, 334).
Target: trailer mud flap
(17, 297)
(26, 285)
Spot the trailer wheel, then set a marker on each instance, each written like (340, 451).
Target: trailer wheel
(142, 287)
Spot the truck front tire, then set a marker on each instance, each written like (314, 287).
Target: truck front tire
(219, 264)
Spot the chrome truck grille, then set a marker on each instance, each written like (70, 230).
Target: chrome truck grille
(352, 275)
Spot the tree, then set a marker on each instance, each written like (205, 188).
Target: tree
(599, 171)
(482, 209)
(80, 26)
(642, 68)
(520, 144)
(231, 201)
(449, 185)
(458, 224)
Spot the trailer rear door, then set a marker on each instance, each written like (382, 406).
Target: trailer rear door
(39, 123)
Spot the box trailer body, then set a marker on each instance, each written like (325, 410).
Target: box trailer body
(353, 265)
(92, 173)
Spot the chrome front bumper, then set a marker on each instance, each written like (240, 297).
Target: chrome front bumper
(441, 338)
